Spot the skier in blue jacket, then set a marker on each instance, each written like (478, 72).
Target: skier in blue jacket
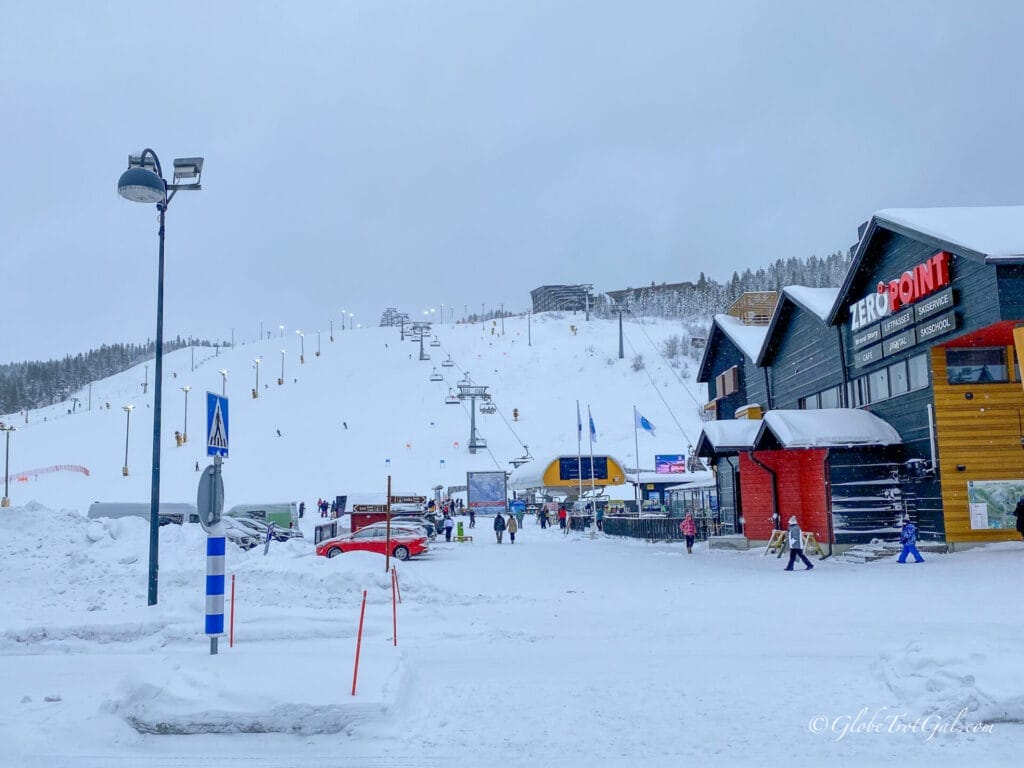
(908, 538)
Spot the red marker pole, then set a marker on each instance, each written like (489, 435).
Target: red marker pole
(231, 625)
(394, 609)
(398, 586)
(359, 643)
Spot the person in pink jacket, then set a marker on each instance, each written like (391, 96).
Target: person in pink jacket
(689, 529)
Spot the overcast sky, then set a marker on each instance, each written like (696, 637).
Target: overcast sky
(409, 154)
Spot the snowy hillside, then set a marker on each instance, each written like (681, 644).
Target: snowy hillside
(397, 419)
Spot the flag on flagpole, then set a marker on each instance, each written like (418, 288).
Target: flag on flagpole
(643, 423)
(593, 429)
(579, 423)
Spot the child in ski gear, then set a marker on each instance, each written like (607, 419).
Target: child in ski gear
(796, 545)
(449, 523)
(512, 527)
(499, 526)
(689, 529)
(561, 517)
(908, 538)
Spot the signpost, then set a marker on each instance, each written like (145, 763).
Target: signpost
(210, 504)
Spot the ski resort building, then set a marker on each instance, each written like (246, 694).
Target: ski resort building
(900, 393)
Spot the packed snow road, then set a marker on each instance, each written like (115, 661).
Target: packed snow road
(557, 650)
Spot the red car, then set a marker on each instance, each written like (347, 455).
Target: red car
(404, 544)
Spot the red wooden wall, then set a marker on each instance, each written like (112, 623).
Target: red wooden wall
(800, 478)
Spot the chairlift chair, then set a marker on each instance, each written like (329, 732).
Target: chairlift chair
(435, 376)
(449, 363)
(452, 398)
(435, 342)
(487, 408)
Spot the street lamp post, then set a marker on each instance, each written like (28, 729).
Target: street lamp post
(280, 380)
(7, 428)
(343, 319)
(223, 382)
(351, 322)
(332, 329)
(127, 425)
(281, 327)
(318, 343)
(256, 389)
(143, 182)
(302, 348)
(184, 431)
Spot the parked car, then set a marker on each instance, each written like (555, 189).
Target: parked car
(171, 513)
(405, 543)
(428, 528)
(259, 529)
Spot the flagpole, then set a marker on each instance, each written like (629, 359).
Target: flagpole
(579, 455)
(590, 433)
(636, 447)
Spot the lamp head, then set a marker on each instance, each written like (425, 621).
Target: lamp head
(141, 185)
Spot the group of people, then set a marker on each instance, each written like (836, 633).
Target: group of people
(501, 525)
(327, 506)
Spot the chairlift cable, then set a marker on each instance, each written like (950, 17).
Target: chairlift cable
(657, 389)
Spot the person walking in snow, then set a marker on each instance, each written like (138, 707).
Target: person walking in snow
(796, 545)
(499, 526)
(449, 523)
(472, 518)
(542, 517)
(599, 518)
(908, 538)
(689, 530)
(1018, 512)
(512, 527)
(562, 515)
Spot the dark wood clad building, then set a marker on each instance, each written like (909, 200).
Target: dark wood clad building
(921, 335)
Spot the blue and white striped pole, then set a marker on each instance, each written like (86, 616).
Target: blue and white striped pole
(215, 584)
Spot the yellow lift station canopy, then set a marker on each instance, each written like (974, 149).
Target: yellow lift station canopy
(565, 472)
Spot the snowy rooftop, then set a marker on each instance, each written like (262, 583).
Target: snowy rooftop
(730, 434)
(827, 427)
(747, 337)
(816, 300)
(995, 231)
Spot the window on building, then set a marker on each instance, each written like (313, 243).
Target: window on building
(976, 366)
(918, 366)
(898, 381)
(807, 403)
(829, 398)
(857, 392)
(878, 385)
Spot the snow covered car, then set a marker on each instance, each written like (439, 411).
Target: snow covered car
(235, 532)
(405, 543)
(259, 529)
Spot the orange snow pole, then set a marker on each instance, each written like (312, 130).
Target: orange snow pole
(359, 643)
(231, 624)
(394, 608)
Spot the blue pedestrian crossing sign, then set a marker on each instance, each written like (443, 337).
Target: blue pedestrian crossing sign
(216, 425)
